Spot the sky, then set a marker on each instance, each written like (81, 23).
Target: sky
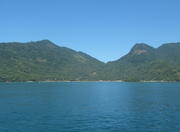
(104, 29)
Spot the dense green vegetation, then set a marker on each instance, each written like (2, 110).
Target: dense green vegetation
(43, 61)
(145, 63)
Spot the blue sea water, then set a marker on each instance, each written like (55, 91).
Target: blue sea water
(89, 107)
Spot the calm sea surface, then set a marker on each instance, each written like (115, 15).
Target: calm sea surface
(89, 107)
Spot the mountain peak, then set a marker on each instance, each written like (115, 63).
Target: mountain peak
(45, 41)
(141, 48)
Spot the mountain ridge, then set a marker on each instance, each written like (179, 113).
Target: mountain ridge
(43, 60)
(160, 63)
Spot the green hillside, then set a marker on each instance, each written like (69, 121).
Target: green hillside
(43, 61)
(145, 63)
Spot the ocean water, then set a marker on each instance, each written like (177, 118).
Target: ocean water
(89, 107)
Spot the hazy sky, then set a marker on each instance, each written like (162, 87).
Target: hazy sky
(105, 29)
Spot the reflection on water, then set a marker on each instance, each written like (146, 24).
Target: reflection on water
(90, 106)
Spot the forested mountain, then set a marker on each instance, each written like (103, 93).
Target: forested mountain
(145, 63)
(43, 61)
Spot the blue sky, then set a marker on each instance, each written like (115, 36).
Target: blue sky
(105, 29)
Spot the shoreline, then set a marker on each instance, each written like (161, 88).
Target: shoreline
(120, 81)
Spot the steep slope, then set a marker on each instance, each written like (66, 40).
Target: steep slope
(139, 53)
(147, 63)
(43, 60)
